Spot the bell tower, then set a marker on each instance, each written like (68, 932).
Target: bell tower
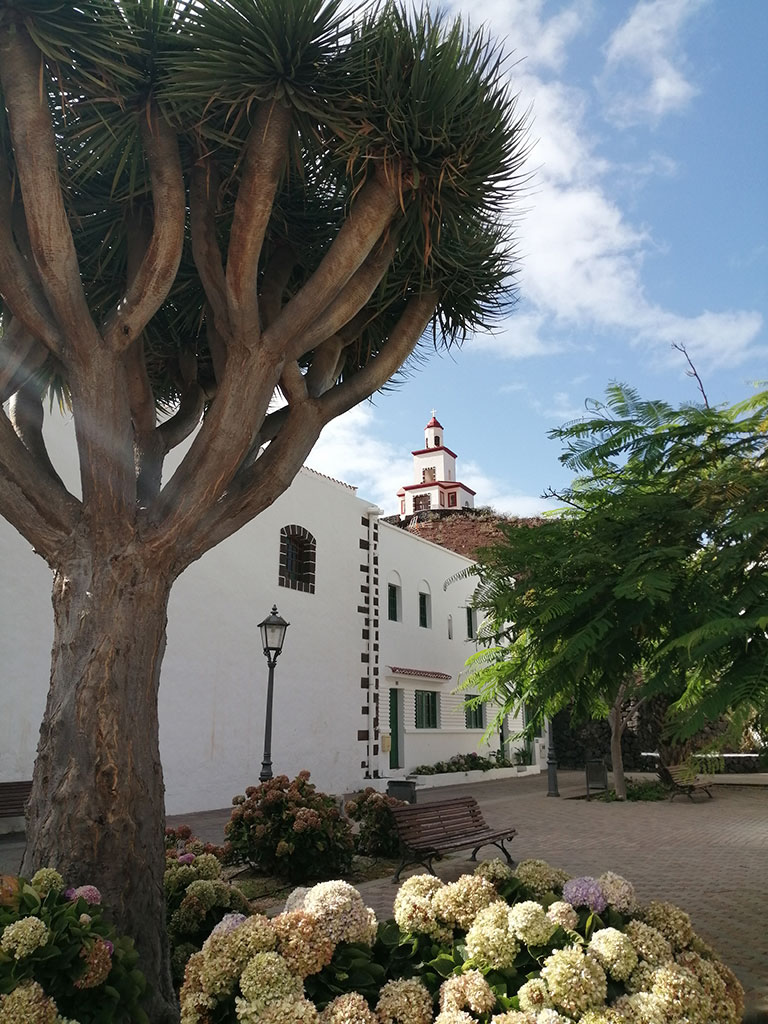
(434, 476)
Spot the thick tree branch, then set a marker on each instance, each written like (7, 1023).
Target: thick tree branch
(371, 214)
(221, 444)
(21, 355)
(350, 299)
(39, 507)
(157, 272)
(34, 146)
(142, 401)
(185, 419)
(260, 484)
(276, 277)
(18, 286)
(105, 435)
(205, 247)
(26, 414)
(375, 374)
(292, 384)
(326, 362)
(265, 156)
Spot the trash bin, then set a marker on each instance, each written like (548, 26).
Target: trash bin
(402, 789)
(597, 776)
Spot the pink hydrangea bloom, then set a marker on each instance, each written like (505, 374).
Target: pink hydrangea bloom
(89, 893)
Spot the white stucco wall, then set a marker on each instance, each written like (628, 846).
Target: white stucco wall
(417, 565)
(332, 681)
(213, 681)
(213, 684)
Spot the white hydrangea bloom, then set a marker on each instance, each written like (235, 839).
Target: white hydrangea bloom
(650, 945)
(459, 902)
(282, 1011)
(619, 892)
(673, 923)
(640, 1008)
(549, 1016)
(514, 1017)
(680, 994)
(404, 1001)
(350, 1008)
(534, 995)
(413, 908)
(21, 938)
(614, 951)
(268, 979)
(469, 990)
(340, 906)
(529, 921)
(540, 876)
(495, 870)
(563, 914)
(490, 942)
(455, 1017)
(576, 982)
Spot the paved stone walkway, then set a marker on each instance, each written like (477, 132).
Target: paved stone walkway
(708, 856)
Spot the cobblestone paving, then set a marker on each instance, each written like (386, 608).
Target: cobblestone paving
(709, 857)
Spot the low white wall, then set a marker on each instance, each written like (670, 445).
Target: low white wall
(457, 778)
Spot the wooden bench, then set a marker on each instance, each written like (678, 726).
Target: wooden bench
(684, 780)
(427, 831)
(13, 798)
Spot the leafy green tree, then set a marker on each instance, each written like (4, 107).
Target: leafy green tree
(652, 578)
(205, 205)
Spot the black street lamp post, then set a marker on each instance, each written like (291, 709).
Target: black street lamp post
(552, 789)
(272, 638)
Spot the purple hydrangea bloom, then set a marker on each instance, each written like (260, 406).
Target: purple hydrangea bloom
(110, 946)
(228, 923)
(69, 894)
(89, 893)
(585, 892)
(186, 858)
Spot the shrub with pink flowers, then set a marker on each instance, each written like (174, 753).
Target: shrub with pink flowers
(286, 828)
(501, 946)
(377, 835)
(60, 961)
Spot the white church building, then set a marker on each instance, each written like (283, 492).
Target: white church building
(365, 685)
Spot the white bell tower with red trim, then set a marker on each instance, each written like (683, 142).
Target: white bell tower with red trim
(434, 486)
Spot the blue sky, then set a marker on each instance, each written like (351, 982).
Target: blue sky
(646, 224)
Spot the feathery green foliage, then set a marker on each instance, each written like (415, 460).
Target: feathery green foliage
(657, 564)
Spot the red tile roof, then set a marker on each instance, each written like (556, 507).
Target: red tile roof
(423, 673)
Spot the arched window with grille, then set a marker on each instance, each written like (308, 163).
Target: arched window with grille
(297, 559)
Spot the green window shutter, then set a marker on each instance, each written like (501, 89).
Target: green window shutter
(473, 717)
(426, 709)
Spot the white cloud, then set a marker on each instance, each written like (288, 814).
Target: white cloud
(581, 256)
(520, 339)
(712, 339)
(541, 41)
(645, 71)
(497, 493)
(349, 450)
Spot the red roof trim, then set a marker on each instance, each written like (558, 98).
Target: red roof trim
(444, 485)
(433, 423)
(437, 448)
(423, 673)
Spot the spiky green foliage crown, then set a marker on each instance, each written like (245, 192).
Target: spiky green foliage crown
(418, 96)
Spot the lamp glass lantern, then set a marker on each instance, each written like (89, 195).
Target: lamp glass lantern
(272, 631)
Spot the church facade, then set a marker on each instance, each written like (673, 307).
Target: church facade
(365, 685)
